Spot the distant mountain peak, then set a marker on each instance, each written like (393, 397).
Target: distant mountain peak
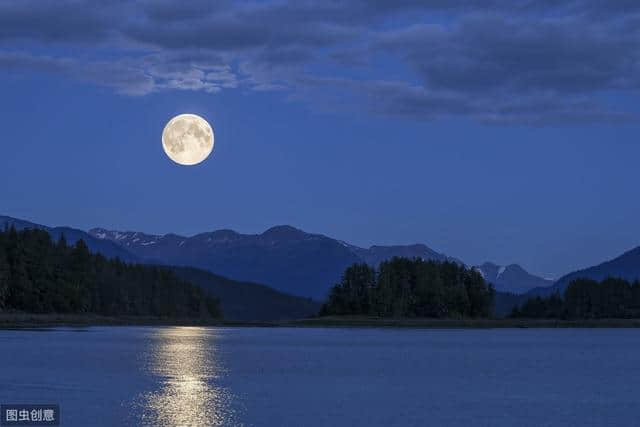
(515, 267)
(225, 233)
(376, 254)
(218, 236)
(510, 278)
(283, 230)
(287, 233)
(126, 238)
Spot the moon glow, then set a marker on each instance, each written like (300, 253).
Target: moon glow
(187, 139)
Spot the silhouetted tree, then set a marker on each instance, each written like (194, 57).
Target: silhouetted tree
(39, 276)
(587, 299)
(411, 288)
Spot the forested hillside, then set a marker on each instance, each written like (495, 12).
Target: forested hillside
(587, 299)
(411, 288)
(40, 276)
(246, 301)
(625, 266)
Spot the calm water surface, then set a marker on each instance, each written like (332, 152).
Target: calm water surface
(326, 377)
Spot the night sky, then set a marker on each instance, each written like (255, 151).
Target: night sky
(505, 132)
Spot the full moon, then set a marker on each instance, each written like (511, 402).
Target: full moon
(187, 139)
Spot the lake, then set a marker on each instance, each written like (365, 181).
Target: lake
(326, 376)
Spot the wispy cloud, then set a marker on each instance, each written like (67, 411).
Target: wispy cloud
(525, 61)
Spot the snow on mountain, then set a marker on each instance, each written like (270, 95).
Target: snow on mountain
(283, 257)
(511, 278)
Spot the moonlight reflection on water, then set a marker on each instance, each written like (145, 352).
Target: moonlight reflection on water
(184, 361)
(274, 377)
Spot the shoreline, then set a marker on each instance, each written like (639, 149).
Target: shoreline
(499, 323)
(35, 321)
(17, 320)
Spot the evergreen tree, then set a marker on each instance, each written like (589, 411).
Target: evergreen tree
(587, 299)
(411, 288)
(39, 276)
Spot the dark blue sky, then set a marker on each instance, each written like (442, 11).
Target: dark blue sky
(506, 133)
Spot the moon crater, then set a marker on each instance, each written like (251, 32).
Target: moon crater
(187, 139)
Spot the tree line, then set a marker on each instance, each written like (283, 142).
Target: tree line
(586, 299)
(41, 276)
(405, 287)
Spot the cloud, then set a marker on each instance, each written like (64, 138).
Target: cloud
(401, 99)
(123, 77)
(536, 62)
(562, 55)
(57, 21)
(130, 76)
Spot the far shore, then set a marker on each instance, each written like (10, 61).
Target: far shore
(358, 321)
(16, 320)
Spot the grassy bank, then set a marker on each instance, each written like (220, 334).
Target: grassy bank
(28, 320)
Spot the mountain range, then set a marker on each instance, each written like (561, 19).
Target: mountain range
(291, 260)
(242, 301)
(294, 262)
(283, 257)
